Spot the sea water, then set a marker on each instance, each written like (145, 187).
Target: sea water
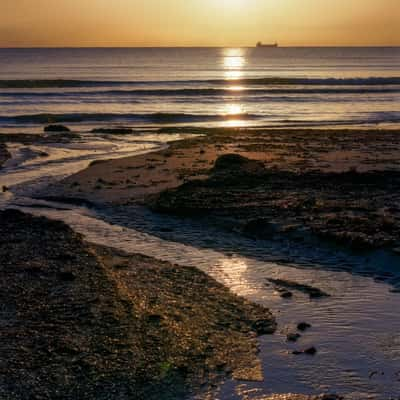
(153, 87)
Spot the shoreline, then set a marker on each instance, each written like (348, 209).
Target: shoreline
(122, 339)
(301, 180)
(180, 174)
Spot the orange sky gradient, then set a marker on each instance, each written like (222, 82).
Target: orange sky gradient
(129, 23)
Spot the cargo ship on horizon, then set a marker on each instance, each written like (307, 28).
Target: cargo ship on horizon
(271, 45)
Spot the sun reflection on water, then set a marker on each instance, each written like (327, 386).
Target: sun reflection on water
(233, 109)
(234, 114)
(236, 88)
(233, 272)
(234, 62)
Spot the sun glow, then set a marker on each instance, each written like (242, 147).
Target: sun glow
(232, 4)
(154, 23)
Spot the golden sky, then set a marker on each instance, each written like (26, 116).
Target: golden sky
(198, 22)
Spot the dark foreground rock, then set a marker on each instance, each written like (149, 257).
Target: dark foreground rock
(83, 322)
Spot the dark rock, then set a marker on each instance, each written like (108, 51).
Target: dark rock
(263, 327)
(303, 326)
(293, 337)
(236, 163)
(313, 292)
(311, 351)
(56, 128)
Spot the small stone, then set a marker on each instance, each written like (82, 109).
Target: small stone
(293, 337)
(303, 326)
(312, 351)
(263, 327)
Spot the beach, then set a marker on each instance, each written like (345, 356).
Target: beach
(200, 223)
(207, 178)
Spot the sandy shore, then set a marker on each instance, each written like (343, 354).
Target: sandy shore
(337, 185)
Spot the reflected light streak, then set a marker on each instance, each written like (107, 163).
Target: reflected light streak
(234, 61)
(233, 273)
(236, 88)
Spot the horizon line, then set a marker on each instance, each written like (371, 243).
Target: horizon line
(195, 47)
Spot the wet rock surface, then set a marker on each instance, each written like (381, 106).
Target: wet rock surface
(80, 321)
(353, 209)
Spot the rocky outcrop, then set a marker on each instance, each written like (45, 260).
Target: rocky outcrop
(352, 209)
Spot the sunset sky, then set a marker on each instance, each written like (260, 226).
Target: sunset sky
(26, 23)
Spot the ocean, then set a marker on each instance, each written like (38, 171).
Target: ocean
(357, 328)
(210, 87)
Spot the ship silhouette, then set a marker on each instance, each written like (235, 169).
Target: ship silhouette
(270, 45)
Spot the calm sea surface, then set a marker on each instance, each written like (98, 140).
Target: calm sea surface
(200, 87)
(356, 330)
